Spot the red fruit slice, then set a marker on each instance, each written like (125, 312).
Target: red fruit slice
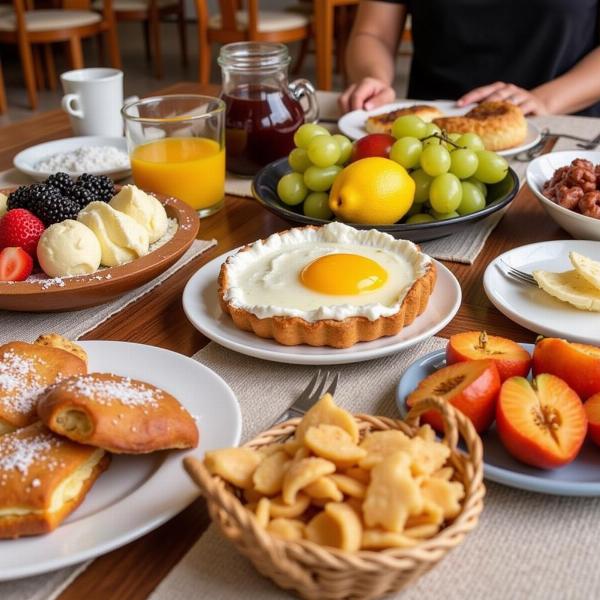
(20, 228)
(374, 144)
(15, 264)
(472, 387)
(511, 359)
(577, 364)
(592, 411)
(542, 423)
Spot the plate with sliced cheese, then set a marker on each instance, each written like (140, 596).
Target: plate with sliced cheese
(566, 300)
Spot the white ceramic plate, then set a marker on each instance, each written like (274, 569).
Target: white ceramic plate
(137, 493)
(353, 123)
(26, 160)
(202, 309)
(541, 170)
(580, 478)
(533, 308)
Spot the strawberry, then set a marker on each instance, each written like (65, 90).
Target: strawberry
(19, 227)
(15, 264)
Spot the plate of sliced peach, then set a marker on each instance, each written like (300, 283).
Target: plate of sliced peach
(536, 407)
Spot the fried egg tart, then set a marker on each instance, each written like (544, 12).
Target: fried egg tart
(382, 123)
(43, 479)
(118, 414)
(326, 286)
(26, 370)
(500, 125)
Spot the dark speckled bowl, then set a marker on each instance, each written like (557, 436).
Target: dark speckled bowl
(264, 188)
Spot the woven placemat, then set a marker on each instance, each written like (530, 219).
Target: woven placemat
(527, 545)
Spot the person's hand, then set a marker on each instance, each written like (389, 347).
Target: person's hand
(366, 94)
(527, 101)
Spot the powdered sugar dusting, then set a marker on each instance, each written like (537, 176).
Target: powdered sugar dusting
(20, 382)
(18, 453)
(123, 390)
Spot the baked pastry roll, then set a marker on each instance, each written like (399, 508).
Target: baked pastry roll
(26, 370)
(43, 478)
(500, 125)
(119, 414)
(382, 123)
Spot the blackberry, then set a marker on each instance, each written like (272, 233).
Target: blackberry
(101, 186)
(62, 182)
(80, 195)
(54, 208)
(19, 198)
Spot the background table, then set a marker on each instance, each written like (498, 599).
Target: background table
(132, 572)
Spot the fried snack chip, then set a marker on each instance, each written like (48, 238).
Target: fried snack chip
(333, 443)
(325, 485)
(393, 495)
(337, 526)
(302, 473)
(268, 476)
(235, 465)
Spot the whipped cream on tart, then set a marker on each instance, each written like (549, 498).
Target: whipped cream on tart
(43, 478)
(326, 286)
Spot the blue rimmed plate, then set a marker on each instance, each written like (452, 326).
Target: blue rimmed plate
(580, 478)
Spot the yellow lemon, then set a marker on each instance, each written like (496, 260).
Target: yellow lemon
(372, 191)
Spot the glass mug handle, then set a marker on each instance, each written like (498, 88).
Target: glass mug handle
(303, 88)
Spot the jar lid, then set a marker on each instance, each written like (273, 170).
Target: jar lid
(254, 55)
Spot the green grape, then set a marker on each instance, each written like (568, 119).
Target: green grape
(419, 218)
(433, 141)
(432, 128)
(316, 206)
(298, 160)
(445, 193)
(406, 152)
(479, 184)
(443, 216)
(463, 163)
(345, 148)
(307, 132)
(414, 209)
(435, 160)
(492, 167)
(471, 141)
(472, 199)
(320, 180)
(323, 151)
(291, 189)
(422, 183)
(409, 126)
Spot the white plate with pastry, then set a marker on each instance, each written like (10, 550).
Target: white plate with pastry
(315, 314)
(136, 493)
(532, 307)
(359, 123)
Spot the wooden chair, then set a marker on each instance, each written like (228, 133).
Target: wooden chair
(232, 24)
(30, 28)
(150, 13)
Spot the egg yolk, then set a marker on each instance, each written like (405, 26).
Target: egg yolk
(343, 275)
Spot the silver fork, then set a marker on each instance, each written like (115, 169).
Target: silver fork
(312, 393)
(517, 274)
(590, 144)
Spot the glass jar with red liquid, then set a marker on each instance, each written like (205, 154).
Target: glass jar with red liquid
(262, 110)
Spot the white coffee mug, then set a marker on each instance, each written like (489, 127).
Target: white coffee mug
(93, 100)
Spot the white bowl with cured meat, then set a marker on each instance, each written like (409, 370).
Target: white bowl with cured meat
(567, 185)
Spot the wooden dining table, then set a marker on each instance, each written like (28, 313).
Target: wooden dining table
(133, 571)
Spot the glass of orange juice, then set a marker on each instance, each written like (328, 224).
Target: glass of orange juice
(177, 148)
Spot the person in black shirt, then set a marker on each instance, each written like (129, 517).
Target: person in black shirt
(542, 55)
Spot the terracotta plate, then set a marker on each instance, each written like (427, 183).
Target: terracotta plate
(106, 284)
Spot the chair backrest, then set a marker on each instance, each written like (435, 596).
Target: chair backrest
(228, 10)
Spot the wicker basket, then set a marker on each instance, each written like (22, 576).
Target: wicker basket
(319, 573)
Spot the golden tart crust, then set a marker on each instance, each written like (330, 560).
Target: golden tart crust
(292, 331)
(500, 125)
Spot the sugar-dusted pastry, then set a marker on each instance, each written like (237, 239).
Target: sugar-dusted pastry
(26, 370)
(119, 414)
(43, 478)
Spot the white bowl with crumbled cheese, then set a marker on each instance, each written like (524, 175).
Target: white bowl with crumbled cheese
(86, 154)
